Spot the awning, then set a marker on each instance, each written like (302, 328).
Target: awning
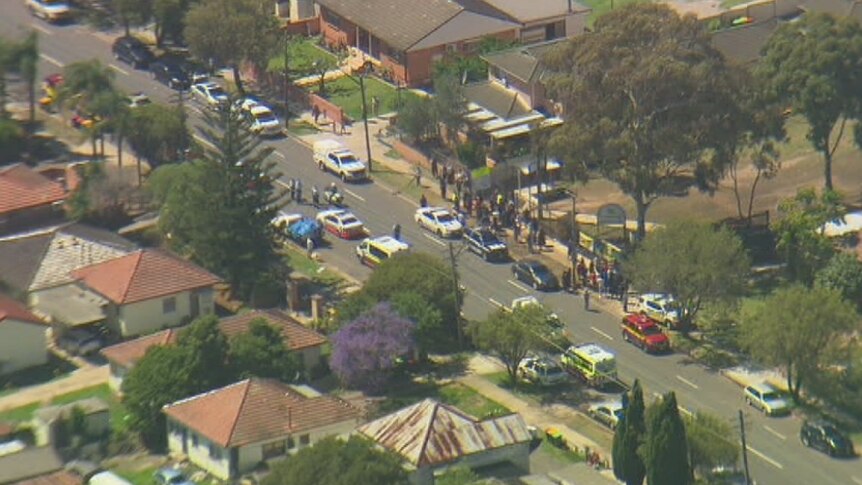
(528, 168)
(499, 124)
(510, 132)
(480, 116)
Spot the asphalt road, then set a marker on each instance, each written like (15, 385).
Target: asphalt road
(776, 456)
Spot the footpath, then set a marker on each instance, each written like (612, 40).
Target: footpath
(44, 393)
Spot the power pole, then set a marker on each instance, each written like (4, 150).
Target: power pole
(453, 261)
(365, 116)
(744, 448)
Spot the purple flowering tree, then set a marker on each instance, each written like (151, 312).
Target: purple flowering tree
(366, 350)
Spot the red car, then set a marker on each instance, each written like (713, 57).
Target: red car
(341, 223)
(645, 333)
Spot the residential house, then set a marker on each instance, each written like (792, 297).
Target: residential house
(230, 431)
(28, 198)
(148, 290)
(298, 338)
(544, 20)
(431, 437)
(23, 337)
(96, 423)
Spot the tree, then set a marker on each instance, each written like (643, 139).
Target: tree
(208, 349)
(665, 450)
(219, 30)
(12, 140)
(366, 350)
(710, 442)
(168, 16)
(842, 273)
(693, 261)
(27, 65)
(449, 105)
(795, 329)
(416, 118)
(100, 198)
(799, 235)
(459, 475)
(260, 352)
(133, 12)
(157, 133)
(648, 102)
(512, 335)
(431, 334)
(221, 209)
(83, 81)
(7, 56)
(815, 66)
(337, 462)
(628, 437)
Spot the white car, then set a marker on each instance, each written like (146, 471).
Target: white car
(440, 221)
(608, 413)
(137, 100)
(49, 10)
(341, 223)
(541, 370)
(767, 399)
(660, 307)
(283, 221)
(210, 94)
(262, 121)
(332, 156)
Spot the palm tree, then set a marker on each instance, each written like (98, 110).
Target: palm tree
(115, 114)
(84, 83)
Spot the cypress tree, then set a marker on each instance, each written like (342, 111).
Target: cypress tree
(628, 465)
(665, 450)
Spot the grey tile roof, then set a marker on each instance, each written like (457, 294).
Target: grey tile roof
(837, 8)
(28, 463)
(464, 26)
(527, 11)
(523, 63)
(743, 44)
(505, 103)
(20, 259)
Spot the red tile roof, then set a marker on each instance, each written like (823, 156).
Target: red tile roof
(144, 275)
(21, 187)
(15, 310)
(296, 335)
(256, 410)
(127, 354)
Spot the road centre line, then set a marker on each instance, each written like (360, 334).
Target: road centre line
(42, 29)
(518, 286)
(281, 155)
(496, 303)
(765, 458)
(353, 194)
(204, 141)
(774, 433)
(434, 239)
(283, 184)
(857, 480)
(687, 382)
(119, 69)
(51, 60)
(600, 332)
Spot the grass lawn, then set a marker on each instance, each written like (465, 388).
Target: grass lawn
(301, 128)
(53, 369)
(454, 394)
(601, 7)
(138, 476)
(405, 184)
(301, 53)
(297, 260)
(565, 455)
(24, 413)
(345, 93)
(102, 391)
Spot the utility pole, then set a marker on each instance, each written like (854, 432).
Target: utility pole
(744, 448)
(286, 80)
(457, 288)
(365, 116)
(181, 106)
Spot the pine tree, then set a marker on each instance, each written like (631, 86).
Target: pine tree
(628, 465)
(665, 450)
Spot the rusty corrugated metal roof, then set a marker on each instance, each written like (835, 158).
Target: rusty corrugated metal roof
(431, 433)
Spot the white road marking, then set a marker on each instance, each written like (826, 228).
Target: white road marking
(687, 382)
(283, 184)
(600, 332)
(119, 69)
(766, 458)
(354, 194)
(519, 286)
(204, 141)
(42, 29)
(51, 60)
(774, 433)
(281, 155)
(434, 239)
(857, 480)
(496, 303)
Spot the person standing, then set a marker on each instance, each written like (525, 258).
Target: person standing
(309, 248)
(418, 174)
(298, 190)
(291, 187)
(315, 197)
(586, 299)
(396, 231)
(423, 201)
(443, 186)
(434, 167)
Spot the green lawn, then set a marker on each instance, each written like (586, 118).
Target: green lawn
(601, 7)
(298, 261)
(142, 476)
(53, 369)
(24, 413)
(455, 394)
(300, 128)
(102, 391)
(301, 53)
(564, 455)
(345, 93)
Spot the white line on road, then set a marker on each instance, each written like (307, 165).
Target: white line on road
(280, 182)
(281, 155)
(687, 382)
(774, 433)
(354, 194)
(603, 334)
(766, 458)
(519, 286)
(42, 29)
(857, 480)
(496, 303)
(119, 69)
(434, 239)
(51, 60)
(204, 141)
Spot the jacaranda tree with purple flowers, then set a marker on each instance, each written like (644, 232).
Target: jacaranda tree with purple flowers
(366, 350)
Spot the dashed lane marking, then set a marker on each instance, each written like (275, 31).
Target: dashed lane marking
(519, 286)
(204, 141)
(857, 480)
(119, 69)
(434, 239)
(766, 458)
(51, 60)
(353, 194)
(496, 303)
(42, 29)
(687, 382)
(774, 433)
(602, 333)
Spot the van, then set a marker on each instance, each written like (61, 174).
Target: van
(107, 478)
(375, 250)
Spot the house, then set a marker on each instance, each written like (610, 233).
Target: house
(230, 431)
(430, 437)
(522, 70)
(29, 463)
(544, 20)
(28, 198)
(307, 343)
(97, 419)
(23, 337)
(148, 290)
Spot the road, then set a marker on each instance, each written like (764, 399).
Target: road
(776, 456)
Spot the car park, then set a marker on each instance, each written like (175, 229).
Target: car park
(332, 156)
(375, 250)
(171, 476)
(170, 73)
(609, 413)
(132, 51)
(439, 220)
(644, 332)
(483, 241)
(660, 307)
(541, 370)
(826, 437)
(341, 223)
(535, 274)
(766, 398)
(210, 94)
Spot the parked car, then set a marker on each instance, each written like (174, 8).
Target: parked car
(171, 476)
(298, 228)
(660, 307)
(132, 51)
(541, 370)
(341, 223)
(535, 274)
(826, 437)
(262, 121)
(483, 241)
(81, 342)
(210, 94)
(50, 10)
(137, 100)
(332, 156)
(645, 333)
(170, 73)
(439, 220)
(608, 413)
(767, 399)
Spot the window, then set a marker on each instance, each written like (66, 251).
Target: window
(271, 450)
(215, 452)
(304, 440)
(169, 305)
(194, 439)
(377, 253)
(291, 444)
